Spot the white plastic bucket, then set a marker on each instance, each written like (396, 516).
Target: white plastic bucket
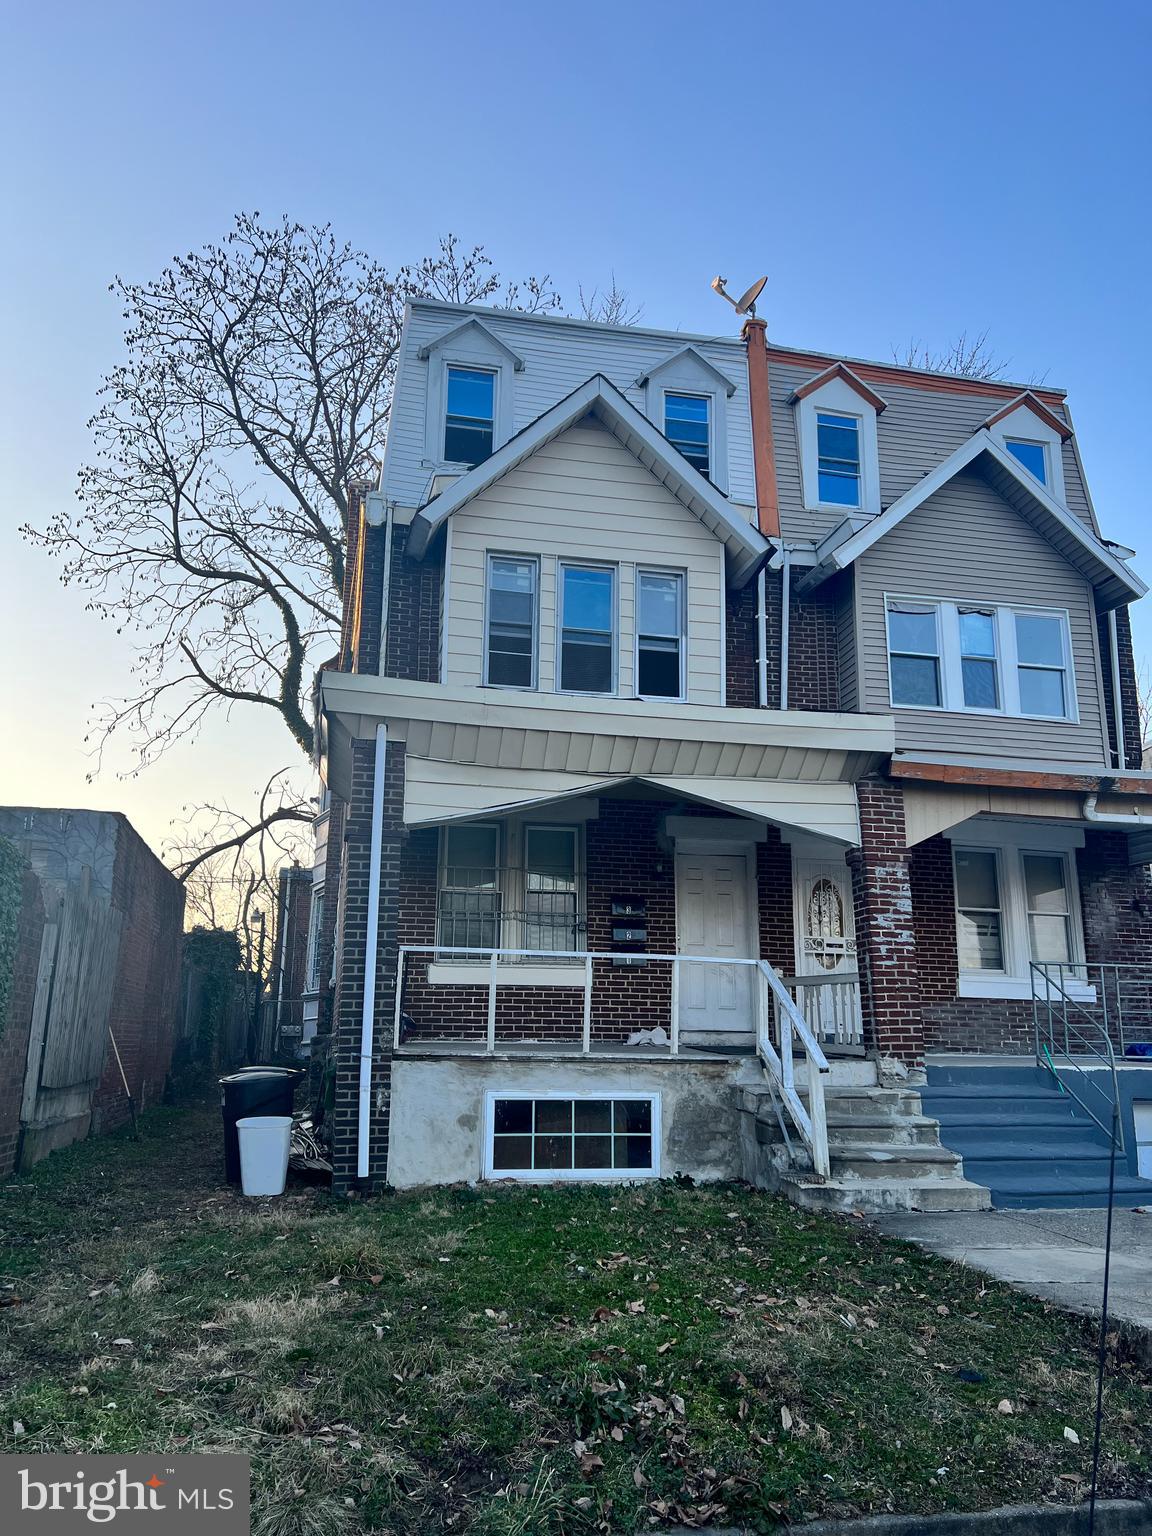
(264, 1143)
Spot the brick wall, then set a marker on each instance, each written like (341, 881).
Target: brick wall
(354, 886)
(741, 647)
(813, 657)
(17, 1019)
(1129, 686)
(413, 615)
(886, 940)
(145, 1011)
(326, 939)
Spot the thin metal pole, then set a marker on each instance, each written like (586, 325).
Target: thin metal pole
(1103, 1347)
(674, 1032)
(491, 1044)
(586, 1026)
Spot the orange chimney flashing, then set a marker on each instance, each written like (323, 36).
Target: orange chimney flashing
(760, 410)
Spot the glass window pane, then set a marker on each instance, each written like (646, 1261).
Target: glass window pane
(465, 443)
(594, 1115)
(1032, 456)
(841, 490)
(471, 393)
(686, 427)
(1039, 640)
(659, 604)
(593, 1152)
(829, 418)
(632, 1115)
(514, 1152)
(552, 1152)
(980, 685)
(912, 627)
(978, 942)
(588, 600)
(915, 680)
(553, 1115)
(977, 884)
(510, 671)
(471, 852)
(659, 670)
(686, 408)
(1042, 692)
(513, 1117)
(632, 1151)
(838, 442)
(977, 633)
(1049, 938)
(1045, 882)
(586, 663)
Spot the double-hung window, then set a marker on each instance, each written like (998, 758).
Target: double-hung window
(1049, 907)
(914, 653)
(687, 427)
(551, 920)
(988, 659)
(510, 640)
(470, 415)
(1033, 456)
(1015, 907)
(312, 954)
(587, 629)
(979, 919)
(469, 899)
(1041, 664)
(660, 634)
(838, 458)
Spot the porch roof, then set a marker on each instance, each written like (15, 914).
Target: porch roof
(436, 792)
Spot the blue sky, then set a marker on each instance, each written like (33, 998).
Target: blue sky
(900, 171)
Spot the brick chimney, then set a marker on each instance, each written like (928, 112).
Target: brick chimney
(755, 334)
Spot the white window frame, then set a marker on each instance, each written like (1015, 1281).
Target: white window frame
(1024, 426)
(511, 883)
(569, 1175)
(533, 560)
(682, 576)
(312, 949)
(469, 346)
(1011, 842)
(838, 398)
(494, 375)
(1032, 442)
(685, 393)
(847, 507)
(1007, 662)
(564, 563)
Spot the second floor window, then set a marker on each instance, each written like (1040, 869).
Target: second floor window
(659, 634)
(1011, 661)
(686, 427)
(838, 449)
(510, 643)
(470, 415)
(587, 629)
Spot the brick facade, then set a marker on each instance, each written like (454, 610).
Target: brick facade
(885, 936)
(1129, 686)
(413, 615)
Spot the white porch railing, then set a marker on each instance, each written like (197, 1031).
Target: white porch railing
(781, 1031)
(830, 1001)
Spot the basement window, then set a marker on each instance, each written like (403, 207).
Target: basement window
(573, 1137)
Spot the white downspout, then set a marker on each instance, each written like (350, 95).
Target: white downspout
(1130, 819)
(1117, 706)
(762, 638)
(785, 623)
(367, 1022)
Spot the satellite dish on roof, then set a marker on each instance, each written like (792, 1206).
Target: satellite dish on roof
(746, 303)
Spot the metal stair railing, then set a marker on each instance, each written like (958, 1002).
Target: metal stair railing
(1066, 1032)
(792, 1032)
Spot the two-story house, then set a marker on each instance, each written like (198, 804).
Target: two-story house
(722, 734)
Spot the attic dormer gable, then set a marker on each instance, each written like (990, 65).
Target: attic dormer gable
(1035, 436)
(686, 397)
(688, 364)
(841, 372)
(471, 334)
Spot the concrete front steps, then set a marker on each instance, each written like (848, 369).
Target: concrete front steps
(884, 1154)
(1033, 1146)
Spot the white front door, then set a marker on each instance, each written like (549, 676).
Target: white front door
(826, 948)
(713, 917)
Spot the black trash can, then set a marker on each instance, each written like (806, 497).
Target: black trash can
(252, 1091)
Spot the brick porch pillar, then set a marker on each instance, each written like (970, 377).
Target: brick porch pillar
(885, 937)
(349, 1005)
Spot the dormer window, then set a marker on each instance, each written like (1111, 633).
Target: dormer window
(838, 450)
(686, 426)
(1033, 456)
(470, 416)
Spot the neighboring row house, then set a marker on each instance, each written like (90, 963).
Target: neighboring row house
(726, 739)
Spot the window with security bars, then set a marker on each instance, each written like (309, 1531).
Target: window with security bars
(489, 899)
(572, 1138)
(468, 908)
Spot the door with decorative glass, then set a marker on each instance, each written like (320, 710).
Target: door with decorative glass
(827, 981)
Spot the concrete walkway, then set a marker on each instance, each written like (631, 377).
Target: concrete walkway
(1056, 1255)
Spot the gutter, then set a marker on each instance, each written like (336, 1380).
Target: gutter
(1131, 820)
(371, 945)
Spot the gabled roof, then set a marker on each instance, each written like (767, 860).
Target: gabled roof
(698, 358)
(1114, 582)
(476, 327)
(853, 381)
(1037, 407)
(746, 546)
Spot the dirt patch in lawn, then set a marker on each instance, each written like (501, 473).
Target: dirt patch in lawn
(509, 1361)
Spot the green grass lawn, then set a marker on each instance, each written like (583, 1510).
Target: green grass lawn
(519, 1360)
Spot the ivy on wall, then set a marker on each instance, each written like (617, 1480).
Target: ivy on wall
(11, 884)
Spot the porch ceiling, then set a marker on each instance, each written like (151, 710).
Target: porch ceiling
(593, 739)
(436, 792)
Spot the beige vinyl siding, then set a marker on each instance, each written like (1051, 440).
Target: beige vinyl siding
(967, 545)
(918, 430)
(584, 497)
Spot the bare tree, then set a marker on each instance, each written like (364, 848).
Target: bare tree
(612, 306)
(211, 520)
(970, 357)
